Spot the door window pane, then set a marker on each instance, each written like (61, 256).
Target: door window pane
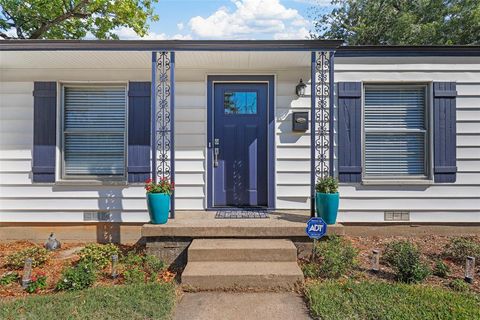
(240, 102)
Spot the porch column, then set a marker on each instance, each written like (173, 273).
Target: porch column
(322, 119)
(163, 118)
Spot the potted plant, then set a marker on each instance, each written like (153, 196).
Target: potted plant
(158, 199)
(327, 199)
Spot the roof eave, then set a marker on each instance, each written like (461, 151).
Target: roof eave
(169, 45)
(406, 51)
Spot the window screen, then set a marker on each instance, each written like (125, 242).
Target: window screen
(395, 131)
(94, 131)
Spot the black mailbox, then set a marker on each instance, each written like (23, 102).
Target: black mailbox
(300, 121)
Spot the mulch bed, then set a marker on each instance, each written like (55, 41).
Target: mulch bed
(64, 257)
(431, 248)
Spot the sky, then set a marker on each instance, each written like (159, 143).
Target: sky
(230, 19)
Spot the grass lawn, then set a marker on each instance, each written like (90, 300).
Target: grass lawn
(379, 300)
(146, 301)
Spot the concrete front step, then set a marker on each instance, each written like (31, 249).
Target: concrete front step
(242, 275)
(200, 224)
(246, 250)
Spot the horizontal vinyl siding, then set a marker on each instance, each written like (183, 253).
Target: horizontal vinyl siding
(20, 200)
(190, 144)
(16, 119)
(367, 203)
(292, 148)
(457, 202)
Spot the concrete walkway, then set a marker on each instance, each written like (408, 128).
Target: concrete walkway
(241, 306)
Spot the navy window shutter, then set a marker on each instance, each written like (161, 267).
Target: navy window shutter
(139, 103)
(349, 131)
(444, 132)
(44, 131)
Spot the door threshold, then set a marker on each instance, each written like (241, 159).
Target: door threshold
(239, 209)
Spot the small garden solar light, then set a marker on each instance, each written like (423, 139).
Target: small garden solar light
(300, 88)
(469, 269)
(114, 266)
(27, 272)
(375, 260)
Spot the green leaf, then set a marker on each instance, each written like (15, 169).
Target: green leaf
(74, 19)
(400, 22)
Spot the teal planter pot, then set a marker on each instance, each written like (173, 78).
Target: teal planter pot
(327, 206)
(158, 207)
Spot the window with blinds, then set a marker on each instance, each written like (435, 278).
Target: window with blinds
(94, 131)
(395, 128)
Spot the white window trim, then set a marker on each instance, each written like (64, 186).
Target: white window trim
(61, 177)
(402, 180)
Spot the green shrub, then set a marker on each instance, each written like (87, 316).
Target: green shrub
(37, 283)
(8, 278)
(327, 185)
(336, 256)
(139, 267)
(459, 285)
(150, 263)
(79, 277)
(132, 259)
(134, 276)
(310, 270)
(404, 258)
(17, 260)
(153, 264)
(441, 269)
(100, 255)
(458, 249)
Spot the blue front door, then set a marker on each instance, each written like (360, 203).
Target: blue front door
(240, 145)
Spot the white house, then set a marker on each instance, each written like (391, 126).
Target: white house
(233, 129)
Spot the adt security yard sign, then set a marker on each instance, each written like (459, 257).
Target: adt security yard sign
(316, 228)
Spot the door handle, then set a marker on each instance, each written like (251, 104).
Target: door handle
(216, 152)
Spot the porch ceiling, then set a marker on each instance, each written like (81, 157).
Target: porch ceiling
(258, 60)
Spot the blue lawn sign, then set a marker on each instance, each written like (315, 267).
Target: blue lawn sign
(316, 228)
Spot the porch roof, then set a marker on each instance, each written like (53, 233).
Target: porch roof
(171, 45)
(240, 45)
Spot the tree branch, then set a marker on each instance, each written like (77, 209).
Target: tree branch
(66, 6)
(13, 24)
(73, 13)
(5, 36)
(6, 14)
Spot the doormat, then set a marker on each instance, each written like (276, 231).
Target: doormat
(242, 214)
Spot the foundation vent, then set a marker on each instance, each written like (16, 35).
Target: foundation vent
(97, 216)
(396, 216)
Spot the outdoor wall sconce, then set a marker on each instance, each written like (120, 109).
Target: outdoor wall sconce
(470, 269)
(300, 88)
(27, 272)
(300, 121)
(375, 261)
